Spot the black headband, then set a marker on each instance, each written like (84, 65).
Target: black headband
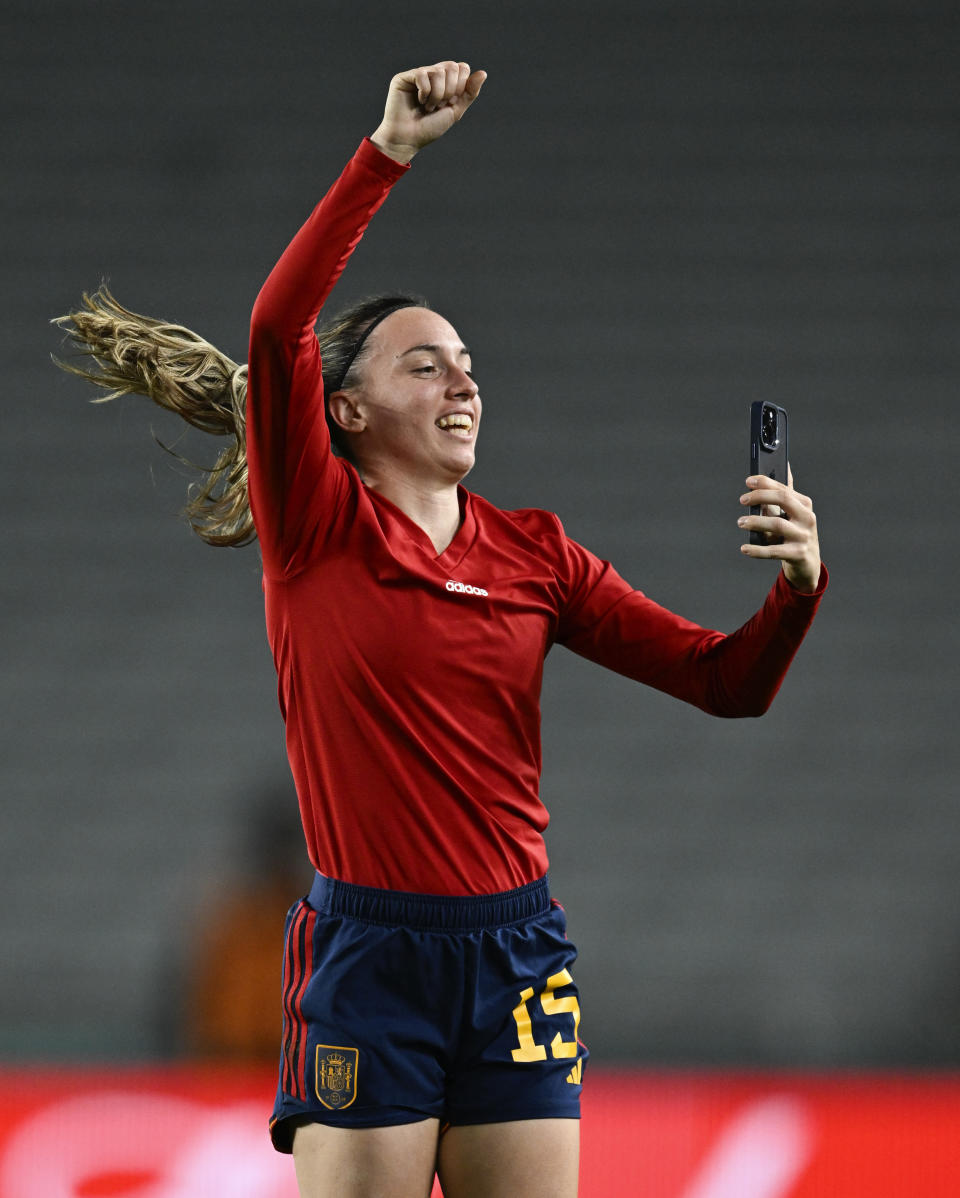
(363, 339)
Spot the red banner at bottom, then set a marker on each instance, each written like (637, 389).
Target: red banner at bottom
(192, 1132)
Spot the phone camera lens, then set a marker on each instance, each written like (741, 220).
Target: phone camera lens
(770, 428)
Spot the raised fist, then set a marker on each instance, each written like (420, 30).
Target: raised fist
(422, 104)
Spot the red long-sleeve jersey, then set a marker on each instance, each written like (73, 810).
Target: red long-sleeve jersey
(409, 681)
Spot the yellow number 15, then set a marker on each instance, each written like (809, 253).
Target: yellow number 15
(529, 1049)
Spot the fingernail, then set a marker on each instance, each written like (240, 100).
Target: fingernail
(751, 482)
(742, 521)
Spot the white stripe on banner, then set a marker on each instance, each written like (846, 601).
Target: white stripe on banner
(760, 1154)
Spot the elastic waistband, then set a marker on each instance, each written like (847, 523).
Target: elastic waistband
(440, 912)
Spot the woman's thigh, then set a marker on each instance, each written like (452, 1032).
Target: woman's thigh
(346, 1162)
(536, 1158)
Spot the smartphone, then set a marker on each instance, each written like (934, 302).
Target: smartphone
(768, 449)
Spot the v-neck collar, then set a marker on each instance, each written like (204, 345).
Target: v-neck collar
(463, 538)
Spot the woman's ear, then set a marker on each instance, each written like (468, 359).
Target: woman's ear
(346, 413)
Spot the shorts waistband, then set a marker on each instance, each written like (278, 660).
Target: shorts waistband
(439, 912)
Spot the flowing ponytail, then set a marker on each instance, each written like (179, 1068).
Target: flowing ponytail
(185, 374)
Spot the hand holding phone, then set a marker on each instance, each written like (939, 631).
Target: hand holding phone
(768, 451)
(781, 506)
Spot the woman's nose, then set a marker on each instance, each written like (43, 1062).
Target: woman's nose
(462, 384)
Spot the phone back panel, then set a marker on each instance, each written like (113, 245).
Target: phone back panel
(764, 459)
(767, 457)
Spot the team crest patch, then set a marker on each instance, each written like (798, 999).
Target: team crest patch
(336, 1079)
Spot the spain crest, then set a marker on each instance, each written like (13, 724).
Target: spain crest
(336, 1077)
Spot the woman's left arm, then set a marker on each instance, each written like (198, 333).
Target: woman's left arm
(737, 674)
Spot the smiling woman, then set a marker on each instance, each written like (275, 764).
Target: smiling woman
(430, 1016)
(409, 412)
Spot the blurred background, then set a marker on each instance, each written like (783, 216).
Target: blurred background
(655, 215)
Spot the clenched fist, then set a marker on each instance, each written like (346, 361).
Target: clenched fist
(422, 104)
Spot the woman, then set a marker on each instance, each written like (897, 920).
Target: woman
(430, 1017)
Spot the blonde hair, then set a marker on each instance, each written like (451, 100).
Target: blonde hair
(180, 371)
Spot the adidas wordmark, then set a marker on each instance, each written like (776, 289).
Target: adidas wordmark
(464, 588)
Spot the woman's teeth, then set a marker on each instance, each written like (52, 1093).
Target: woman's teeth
(459, 421)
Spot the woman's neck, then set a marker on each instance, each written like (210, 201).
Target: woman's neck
(434, 509)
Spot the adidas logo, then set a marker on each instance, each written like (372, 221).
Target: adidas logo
(464, 588)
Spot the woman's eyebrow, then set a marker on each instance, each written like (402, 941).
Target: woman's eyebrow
(433, 349)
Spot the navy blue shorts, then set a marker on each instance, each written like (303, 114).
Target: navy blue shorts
(401, 1007)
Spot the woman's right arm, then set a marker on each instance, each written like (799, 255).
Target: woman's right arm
(292, 478)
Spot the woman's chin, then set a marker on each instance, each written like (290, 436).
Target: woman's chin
(460, 462)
